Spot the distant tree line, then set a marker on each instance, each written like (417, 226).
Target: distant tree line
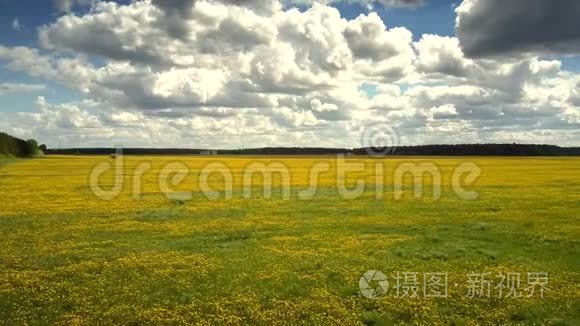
(480, 150)
(12, 146)
(427, 150)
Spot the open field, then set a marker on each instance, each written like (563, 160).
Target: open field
(70, 257)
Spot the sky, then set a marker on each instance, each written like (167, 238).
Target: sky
(304, 73)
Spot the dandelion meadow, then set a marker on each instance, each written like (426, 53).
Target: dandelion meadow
(68, 257)
(290, 162)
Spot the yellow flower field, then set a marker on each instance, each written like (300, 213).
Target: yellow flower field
(162, 252)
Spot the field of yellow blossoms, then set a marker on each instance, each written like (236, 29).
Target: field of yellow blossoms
(510, 255)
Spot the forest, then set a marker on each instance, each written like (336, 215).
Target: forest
(14, 147)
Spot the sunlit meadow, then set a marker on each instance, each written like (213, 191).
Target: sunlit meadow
(70, 257)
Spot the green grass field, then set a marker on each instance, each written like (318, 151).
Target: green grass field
(68, 257)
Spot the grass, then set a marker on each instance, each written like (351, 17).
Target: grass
(70, 258)
(6, 159)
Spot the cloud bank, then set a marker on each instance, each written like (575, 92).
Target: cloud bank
(208, 73)
(492, 27)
